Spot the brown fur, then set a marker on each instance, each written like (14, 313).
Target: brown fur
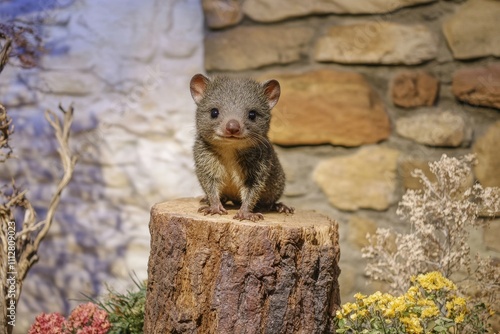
(234, 158)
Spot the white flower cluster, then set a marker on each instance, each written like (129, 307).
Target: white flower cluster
(440, 215)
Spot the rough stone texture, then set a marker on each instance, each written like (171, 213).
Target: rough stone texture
(490, 235)
(365, 179)
(328, 106)
(478, 85)
(433, 128)
(250, 47)
(377, 43)
(487, 169)
(135, 125)
(214, 274)
(66, 83)
(359, 227)
(414, 89)
(276, 10)
(473, 31)
(222, 13)
(128, 76)
(407, 166)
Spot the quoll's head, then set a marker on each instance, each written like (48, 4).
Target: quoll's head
(233, 109)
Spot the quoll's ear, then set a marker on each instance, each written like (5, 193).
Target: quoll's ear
(198, 85)
(272, 91)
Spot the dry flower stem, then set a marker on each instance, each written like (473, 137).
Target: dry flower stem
(440, 217)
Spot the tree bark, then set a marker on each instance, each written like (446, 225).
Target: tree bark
(214, 274)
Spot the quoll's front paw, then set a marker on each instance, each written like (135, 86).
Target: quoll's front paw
(213, 209)
(245, 215)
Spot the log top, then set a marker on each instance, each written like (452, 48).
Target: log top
(187, 208)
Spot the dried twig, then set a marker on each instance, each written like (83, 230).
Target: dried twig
(22, 42)
(6, 130)
(31, 232)
(29, 256)
(20, 240)
(4, 53)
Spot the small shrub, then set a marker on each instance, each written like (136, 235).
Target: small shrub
(430, 305)
(85, 319)
(441, 215)
(116, 314)
(126, 311)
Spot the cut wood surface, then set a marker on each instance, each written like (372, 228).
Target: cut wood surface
(214, 274)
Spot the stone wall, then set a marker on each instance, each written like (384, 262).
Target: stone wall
(370, 90)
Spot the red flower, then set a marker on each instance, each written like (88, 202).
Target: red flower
(85, 319)
(48, 324)
(88, 319)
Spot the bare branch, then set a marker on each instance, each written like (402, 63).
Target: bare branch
(5, 52)
(68, 161)
(6, 129)
(22, 43)
(31, 233)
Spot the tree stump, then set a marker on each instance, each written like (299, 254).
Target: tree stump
(214, 274)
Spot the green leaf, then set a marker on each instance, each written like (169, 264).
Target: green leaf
(440, 329)
(375, 331)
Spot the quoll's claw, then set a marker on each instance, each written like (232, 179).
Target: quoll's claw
(212, 210)
(243, 215)
(282, 208)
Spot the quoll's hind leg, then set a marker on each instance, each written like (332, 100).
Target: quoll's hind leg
(282, 208)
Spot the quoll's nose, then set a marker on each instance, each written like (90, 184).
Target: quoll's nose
(233, 127)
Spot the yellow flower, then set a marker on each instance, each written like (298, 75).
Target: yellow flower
(400, 304)
(434, 281)
(412, 294)
(449, 308)
(359, 296)
(430, 312)
(425, 302)
(412, 324)
(412, 309)
(363, 313)
(349, 307)
(373, 298)
(456, 306)
(460, 318)
(389, 313)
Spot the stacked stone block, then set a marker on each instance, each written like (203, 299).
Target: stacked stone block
(370, 91)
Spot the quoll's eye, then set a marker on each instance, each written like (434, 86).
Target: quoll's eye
(252, 114)
(214, 113)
